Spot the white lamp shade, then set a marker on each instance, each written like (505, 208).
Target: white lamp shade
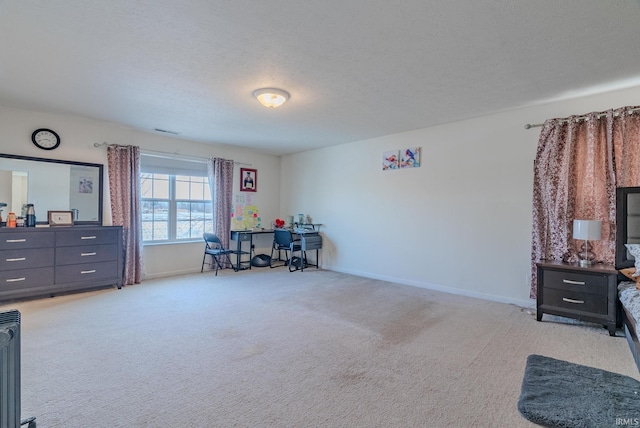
(590, 230)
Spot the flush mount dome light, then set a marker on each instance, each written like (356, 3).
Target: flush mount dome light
(271, 97)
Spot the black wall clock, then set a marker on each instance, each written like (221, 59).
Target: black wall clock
(45, 139)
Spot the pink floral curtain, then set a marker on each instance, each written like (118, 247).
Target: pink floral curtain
(221, 185)
(579, 164)
(124, 187)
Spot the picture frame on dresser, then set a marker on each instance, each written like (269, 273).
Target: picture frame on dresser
(60, 218)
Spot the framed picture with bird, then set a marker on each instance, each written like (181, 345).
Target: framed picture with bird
(390, 160)
(410, 158)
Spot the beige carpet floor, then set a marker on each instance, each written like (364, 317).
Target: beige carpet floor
(269, 348)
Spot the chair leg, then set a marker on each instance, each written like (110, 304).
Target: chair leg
(230, 264)
(203, 258)
(271, 258)
(291, 262)
(280, 250)
(295, 268)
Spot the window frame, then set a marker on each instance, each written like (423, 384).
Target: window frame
(173, 202)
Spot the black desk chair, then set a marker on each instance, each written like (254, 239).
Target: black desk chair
(283, 241)
(214, 248)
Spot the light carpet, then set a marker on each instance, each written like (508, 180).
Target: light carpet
(269, 348)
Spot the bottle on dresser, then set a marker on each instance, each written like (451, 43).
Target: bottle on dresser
(11, 220)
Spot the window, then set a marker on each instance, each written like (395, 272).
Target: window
(176, 204)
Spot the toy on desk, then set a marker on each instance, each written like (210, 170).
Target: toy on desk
(279, 223)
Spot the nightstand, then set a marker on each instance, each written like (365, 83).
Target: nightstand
(582, 293)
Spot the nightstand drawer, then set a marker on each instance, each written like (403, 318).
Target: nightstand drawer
(575, 282)
(574, 300)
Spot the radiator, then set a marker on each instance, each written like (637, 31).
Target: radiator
(10, 369)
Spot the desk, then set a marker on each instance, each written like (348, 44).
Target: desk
(241, 237)
(309, 236)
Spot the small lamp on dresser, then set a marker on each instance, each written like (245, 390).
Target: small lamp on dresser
(587, 230)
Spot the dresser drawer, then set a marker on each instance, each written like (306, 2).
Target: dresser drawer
(24, 278)
(87, 272)
(86, 254)
(21, 239)
(575, 300)
(575, 281)
(79, 236)
(27, 258)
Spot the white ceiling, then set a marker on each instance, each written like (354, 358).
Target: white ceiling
(355, 69)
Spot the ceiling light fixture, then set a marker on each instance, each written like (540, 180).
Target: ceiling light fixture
(271, 97)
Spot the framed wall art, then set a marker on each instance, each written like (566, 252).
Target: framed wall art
(390, 160)
(86, 185)
(410, 158)
(248, 180)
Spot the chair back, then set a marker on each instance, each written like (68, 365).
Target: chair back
(282, 237)
(212, 241)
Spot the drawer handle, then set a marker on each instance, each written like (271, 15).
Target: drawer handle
(17, 259)
(88, 237)
(16, 279)
(580, 302)
(87, 254)
(568, 281)
(17, 240)
(87, 271)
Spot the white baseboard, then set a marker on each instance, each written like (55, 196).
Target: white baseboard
(459, 291)
(171, 273)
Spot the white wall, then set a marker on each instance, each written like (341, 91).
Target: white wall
(78, 136)
(459, 223)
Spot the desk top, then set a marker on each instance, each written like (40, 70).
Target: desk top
(252, 231)
(299, 231)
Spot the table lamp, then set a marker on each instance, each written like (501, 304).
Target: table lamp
(587, 230)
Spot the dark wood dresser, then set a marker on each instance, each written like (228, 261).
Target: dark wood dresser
(38, 262)
(583, 293)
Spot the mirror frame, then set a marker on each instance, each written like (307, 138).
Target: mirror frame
(67, 162)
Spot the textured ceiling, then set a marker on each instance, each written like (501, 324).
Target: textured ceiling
(355, 69)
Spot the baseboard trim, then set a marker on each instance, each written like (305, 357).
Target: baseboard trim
(171, 273)
(436, 287)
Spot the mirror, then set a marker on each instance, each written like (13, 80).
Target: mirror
(51, 185)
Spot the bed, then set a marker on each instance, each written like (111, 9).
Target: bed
(628, 232)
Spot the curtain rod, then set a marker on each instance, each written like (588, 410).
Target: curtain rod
(160, 154)
(579, 118)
